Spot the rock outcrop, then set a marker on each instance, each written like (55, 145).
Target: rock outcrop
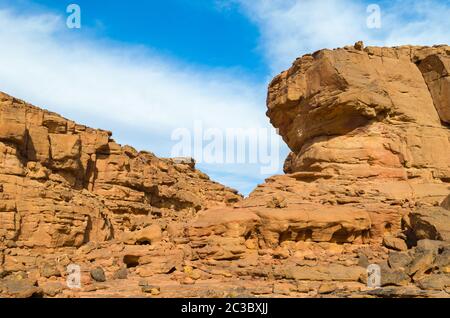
(64, 184)
(367, 182)
(370, 125)
(370, 143)
(370, 161)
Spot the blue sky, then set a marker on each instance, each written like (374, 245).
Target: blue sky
(201, 32)
(143, 69)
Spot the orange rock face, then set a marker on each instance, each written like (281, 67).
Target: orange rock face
(370, 140)
(65, 184)
(367, 182)
(368, 128)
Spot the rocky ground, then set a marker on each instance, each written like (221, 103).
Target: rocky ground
(367, 182)
(303, 269)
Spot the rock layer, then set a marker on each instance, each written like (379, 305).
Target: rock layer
(367, 182)
(371, 121)
(370, 162)
(369, 136)
(64, 184)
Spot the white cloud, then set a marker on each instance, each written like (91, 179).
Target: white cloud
(40, 61)
(424, 22)
(290, 28)
(141, 96)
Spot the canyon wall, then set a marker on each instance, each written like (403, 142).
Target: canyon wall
(64, 184)
(370, 139)
(367, 182)
(374, 122)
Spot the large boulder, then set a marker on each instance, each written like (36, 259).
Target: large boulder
(428, 223)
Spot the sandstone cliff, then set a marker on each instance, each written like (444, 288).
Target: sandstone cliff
(370, 164)
(64, 184)
(373, 122)
(370, 141)
(367, 182)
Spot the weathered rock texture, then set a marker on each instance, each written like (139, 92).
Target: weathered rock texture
(368, 181)
(368, 128)
(64, 184)
(370, 140)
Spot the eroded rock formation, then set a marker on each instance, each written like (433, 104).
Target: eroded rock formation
(367, 182)
(370, 162)
(373, 122)
(370, 142)
(64, 184)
